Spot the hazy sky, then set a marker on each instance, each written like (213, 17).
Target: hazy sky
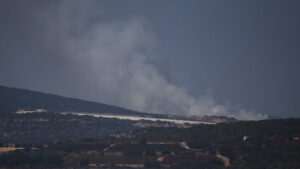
(237, 58)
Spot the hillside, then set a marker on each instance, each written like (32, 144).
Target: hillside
(268, 144)
(12, 99)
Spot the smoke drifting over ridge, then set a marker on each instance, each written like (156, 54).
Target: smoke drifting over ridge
(107, 61)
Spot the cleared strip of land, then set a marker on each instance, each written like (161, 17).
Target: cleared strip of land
(137, 118)
(8, 149)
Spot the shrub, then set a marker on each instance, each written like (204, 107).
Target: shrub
(83, 162)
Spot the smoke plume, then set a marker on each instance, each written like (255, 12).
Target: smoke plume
(108, 61)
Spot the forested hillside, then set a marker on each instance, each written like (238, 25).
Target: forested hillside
(12, 99)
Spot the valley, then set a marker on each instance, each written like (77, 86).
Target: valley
(46, 131)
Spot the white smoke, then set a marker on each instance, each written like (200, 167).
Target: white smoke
(114, 56)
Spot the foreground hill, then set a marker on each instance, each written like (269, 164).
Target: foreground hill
(269, 144)
(50, 128)
(12, 99)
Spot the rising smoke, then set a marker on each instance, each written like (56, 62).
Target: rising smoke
(108, 61)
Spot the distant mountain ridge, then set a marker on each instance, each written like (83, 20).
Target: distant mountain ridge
(12, 99)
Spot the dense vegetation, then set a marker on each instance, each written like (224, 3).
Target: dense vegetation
(256, 144)
(50, 128)
(268, 144)
(31, 159)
